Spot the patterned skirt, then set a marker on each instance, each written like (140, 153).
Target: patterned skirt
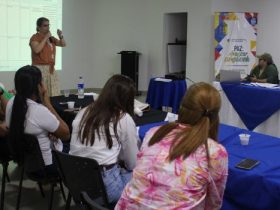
(50, 80)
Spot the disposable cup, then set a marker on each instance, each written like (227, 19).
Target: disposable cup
(66, 93)
(71, 104)
(244, 138)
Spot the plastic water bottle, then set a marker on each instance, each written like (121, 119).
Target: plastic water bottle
(81, 87)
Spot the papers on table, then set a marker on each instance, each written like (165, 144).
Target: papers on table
(94, 95)
(264, 85)
(140, 105)
(171, 117)
(163, 79)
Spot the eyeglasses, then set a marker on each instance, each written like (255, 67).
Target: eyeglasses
(46, 25)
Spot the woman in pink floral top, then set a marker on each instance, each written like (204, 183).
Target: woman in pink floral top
(180, 165)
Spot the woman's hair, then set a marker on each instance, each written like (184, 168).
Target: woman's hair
(40, 22)
(26, 82)
(199, 109)
(116, 99)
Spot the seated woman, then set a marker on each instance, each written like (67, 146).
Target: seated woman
(180, 164)
(265, 72)
(31, 112)
(106, 132)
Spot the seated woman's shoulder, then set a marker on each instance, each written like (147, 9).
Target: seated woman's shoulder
(216, 148)
(126, 117)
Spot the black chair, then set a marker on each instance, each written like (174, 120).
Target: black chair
(89, 204)
(5, 158)
(81, 174)
(33, 166)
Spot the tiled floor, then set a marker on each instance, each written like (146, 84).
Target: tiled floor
(31, 196)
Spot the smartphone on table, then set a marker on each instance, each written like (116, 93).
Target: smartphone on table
(247, 164)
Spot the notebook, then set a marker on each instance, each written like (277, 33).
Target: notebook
(229, 76)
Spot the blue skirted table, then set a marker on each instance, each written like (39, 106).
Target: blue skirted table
(251, 107)
(168, 94)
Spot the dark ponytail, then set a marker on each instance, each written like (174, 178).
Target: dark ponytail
(26, 81)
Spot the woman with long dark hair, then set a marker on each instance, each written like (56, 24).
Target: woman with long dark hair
(106, 132)
(181, 165)
(31, 112)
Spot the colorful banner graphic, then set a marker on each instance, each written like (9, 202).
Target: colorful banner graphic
(235, 41)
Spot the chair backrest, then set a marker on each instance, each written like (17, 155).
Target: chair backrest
(89, 204)
(81, 174)
(33, 159)
(5, 154)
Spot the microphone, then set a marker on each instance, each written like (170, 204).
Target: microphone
(51, 39)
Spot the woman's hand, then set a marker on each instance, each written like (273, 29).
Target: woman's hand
(59, 34)
(48, 35)
(52, 137)
(254, 79)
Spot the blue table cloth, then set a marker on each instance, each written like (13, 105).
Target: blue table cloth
(255, 189)
(225, 131)
(144, 128)
(254, 105)
(167, 94)
(258, 188)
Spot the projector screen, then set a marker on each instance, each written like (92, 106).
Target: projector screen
(17, 25)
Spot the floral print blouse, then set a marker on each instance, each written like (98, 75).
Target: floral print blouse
(192, 183)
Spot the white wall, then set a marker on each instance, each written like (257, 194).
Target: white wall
(96, 30)
(138, 25)
(78, 33)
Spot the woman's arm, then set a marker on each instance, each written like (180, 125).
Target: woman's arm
(38, 46)
(61, 42)
(218, 179)
(272, 74)
(129, 142)
(62, 131)
(3, 100)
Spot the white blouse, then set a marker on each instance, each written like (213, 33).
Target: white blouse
(39, 121)
(126, 150)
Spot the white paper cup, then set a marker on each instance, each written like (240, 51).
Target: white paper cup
(66, 93)
(244, 138)
(71, 104)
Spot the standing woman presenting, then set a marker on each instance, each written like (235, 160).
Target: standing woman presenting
(43, 46)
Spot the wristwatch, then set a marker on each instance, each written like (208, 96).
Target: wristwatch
(61, 37)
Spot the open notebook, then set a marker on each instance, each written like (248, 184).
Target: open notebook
(137, 104)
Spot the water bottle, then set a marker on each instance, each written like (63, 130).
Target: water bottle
(81, 87)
